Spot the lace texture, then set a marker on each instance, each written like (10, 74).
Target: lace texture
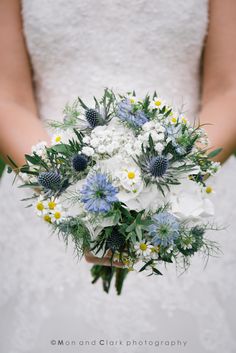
(78, 48)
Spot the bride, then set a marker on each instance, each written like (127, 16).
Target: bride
(53, 51)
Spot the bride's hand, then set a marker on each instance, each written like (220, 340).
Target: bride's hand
(105, 261)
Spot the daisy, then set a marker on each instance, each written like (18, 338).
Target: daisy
(57, 215)
(40, 206)
(157, 103)
(143, 249)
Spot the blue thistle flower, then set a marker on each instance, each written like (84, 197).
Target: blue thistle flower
(125, 113)
(164, 229)
(98, 193)
(158, 166)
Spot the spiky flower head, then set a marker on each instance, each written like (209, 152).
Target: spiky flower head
(115, 241)
(158, 166)
(80, 162)
(98, 193)
(92, 117)
(164, 229)
(50, 180)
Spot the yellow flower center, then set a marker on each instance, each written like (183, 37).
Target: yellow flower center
(158, 103)
(58, 138)
(143, 246)
(132, 100)
(209, 189)
(40, 206)
(57, 215)
(174, 120)
(131, 175)
(184, 121)
(47, 218)
(51, 205)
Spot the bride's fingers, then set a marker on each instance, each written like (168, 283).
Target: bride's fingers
(105, 261)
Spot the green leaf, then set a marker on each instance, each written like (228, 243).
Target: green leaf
(12, 162)
(214, 153)
(60, 148)
(146, 265)
(82, 104)
(156, 271)
(31, 159)
(139, 232)
(117, 216)
(130, 228)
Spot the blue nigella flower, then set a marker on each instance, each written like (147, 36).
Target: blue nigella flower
(98, 193)
(164, 229)
(125, 113)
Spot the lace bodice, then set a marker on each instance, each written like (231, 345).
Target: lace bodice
(78, 47)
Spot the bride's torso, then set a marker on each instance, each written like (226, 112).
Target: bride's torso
(80, 47)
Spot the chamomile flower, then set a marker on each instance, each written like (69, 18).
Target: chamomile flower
(143, 249)
(209, 190)
(130, 178)
(184, 120)
(61, 137)
(57, 138)
(133, 99)
(53, 203)
(41, 206)
(47, 218)
(173, 120)
(157, 103)
(57, 215)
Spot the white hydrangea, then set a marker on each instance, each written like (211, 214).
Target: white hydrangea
(88, 151)
(111, 139)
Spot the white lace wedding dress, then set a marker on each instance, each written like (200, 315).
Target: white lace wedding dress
(78, 47)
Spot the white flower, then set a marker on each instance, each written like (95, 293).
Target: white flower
(159, 147)
(61, 137)
(130, 178)
(143, 249)
(188, 201)
(184, 120)
(133, 99)
(57, 215)
(101, 149)
(94, 142)
(157, 103)
(39, 148)
(88, 151)
(86, 139)
(173, 120)
(40, 206)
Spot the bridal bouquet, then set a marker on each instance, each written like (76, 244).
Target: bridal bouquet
(128, 177)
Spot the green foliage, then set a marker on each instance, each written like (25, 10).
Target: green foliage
(2, 166)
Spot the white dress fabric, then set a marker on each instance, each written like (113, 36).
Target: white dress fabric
(78, 47)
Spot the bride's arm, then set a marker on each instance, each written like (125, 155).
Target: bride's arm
(20, 127)
(219, 77)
